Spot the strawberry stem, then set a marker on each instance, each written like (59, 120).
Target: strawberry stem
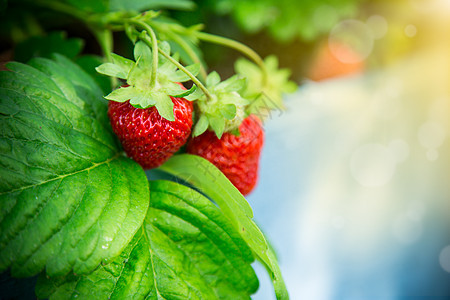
(250, 53)
(183, 44)
(152, 43)
(186, 71)
(105, 39)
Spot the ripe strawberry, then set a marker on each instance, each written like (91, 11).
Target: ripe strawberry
(147, 137)
(236, 156)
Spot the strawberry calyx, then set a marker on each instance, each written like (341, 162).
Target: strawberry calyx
(265, 93)
(145, 87)
(224, 109)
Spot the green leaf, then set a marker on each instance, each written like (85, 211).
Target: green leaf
(202, 174)
(195, 95)
(201, 126)
(139, 77)
(181, 93)
(164, 46)
(217, 124)
(228, 111)
(142, 99)
(164, 105)
(113, 70)
(187, 249)
(123, 94)
(212, 79)
(180, 76)
(232, 84)
(45, 46)
(68, 199)
(131, 33)
(142, 55)
(124, 63)
(267, 94)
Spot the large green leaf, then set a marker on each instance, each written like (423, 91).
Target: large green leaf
(68, 199)
(187, 249)
(205, 176)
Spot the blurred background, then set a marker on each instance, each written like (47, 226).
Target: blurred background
(354, 186)
(354, 190)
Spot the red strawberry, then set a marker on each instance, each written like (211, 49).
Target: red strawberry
(236, 156)
(147, 137)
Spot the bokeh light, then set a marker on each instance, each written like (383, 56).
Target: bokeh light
(351, 36)
(444, 259)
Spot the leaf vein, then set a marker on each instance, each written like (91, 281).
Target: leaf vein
(62, 176)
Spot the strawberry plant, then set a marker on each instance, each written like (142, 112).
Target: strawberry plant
(78, 209)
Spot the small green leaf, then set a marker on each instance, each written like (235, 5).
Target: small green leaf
(139, 77)
(195, 95)
(201, 126)
(212, 79)
(124, 63)
(186, 249)
(142, 55)
(164, 46)
(123, 94)
(235, 132)
(228, 111)
(142, 99)
(232, 84)
(180, 76)
(217, 124)
(112, 70)
(236, 99)
(131, 33)
(164, 105)
(173, 89)
(205, 176)
(183, 92)
(265, 93)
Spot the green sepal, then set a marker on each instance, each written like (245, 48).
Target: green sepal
(182, 77)
(195, 95)
(164, 46)
(183, 93)
(201, 126)
(142, 55)
(122, 94)
(266, 94)
(228, 111)
(236, 132)
(164, 105)
(233, 84)
(217, 124)
(124, 63)
(112, 70)
(131, 33)
(212, 79)
(221, 112)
